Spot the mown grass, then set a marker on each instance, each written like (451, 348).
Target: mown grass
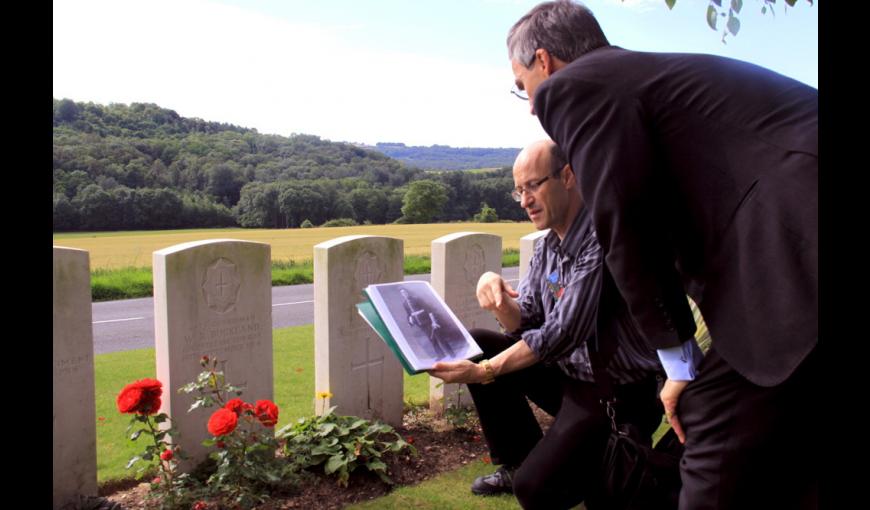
(113, 250)
(448, 490)
(136, 282)
(293, 365)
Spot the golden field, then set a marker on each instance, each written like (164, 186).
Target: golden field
(112, 250)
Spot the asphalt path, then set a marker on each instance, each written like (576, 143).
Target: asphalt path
(129, 324)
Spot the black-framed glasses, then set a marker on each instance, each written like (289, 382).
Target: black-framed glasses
(532, 187)
(519, 93)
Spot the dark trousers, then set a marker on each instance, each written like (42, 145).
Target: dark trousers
(749, 446)
(561, 468)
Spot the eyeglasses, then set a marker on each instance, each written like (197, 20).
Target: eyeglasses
(519, 93)
(532, 187)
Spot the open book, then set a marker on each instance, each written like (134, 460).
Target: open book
(413, 320)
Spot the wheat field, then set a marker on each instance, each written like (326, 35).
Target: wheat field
(114, 250)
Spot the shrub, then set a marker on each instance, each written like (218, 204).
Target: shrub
(306, 224)
(341, 222)
(341, 444)
(486, 215)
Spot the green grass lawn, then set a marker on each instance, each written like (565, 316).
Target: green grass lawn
(449, 490)
(135, 282)
(294, 392)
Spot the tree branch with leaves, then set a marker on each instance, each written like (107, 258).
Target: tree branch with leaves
(731, 10)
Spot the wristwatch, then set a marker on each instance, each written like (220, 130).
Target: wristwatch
(490, 373)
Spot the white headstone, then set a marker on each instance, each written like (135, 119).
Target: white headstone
(458, 260)
(74, 429)
(350, 360)
(211, 298)
(527, 249)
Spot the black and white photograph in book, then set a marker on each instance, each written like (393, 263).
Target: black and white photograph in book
(424, 322)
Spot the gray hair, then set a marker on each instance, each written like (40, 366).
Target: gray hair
(564, 28)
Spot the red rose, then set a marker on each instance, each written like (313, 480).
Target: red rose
(140, 397)
(267, 412)
(166, 455)
(222, 422)
(200, 505)
(238, 406)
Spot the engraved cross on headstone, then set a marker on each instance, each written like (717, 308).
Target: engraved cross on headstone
(367, 365)
(221, 283)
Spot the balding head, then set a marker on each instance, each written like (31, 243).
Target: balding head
(546, 187)
(542, 154)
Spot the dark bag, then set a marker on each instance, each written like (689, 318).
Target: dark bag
(638, 476)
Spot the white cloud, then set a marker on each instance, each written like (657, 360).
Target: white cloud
(640, 5)
(227, 64)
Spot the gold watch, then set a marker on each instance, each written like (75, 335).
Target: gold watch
(490, 373)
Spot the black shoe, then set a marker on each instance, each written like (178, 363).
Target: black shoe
(499, 482)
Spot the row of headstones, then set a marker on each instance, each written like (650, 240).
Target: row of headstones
(214, 298)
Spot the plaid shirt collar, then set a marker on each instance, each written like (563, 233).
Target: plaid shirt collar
(580, 229)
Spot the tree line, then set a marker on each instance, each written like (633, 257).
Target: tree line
(443, 157)
(140, 166)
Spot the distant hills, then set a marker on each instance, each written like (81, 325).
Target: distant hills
(141, 166)
(444, 157)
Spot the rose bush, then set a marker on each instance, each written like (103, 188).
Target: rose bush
(142, 399)
(247, 469)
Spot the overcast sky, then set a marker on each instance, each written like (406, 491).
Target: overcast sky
(412, 71)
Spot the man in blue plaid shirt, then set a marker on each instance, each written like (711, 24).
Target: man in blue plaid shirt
(564, 308)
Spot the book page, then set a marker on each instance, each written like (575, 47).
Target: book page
(422, 325)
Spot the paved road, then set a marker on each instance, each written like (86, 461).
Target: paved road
(129, 323)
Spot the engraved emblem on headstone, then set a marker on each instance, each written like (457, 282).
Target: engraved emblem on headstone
(475, 263)
(221, 284)
(367, 270)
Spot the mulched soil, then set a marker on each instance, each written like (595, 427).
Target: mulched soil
(440, 448)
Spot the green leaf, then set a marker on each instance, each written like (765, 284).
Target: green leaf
(196, 405)
(133, 461)
(764, 10)
(136, 434)
(790, 2)
(736, 5)
(383, 476)
(334, 463)
(670, 3)
(326, 429)
(711, 16)
(733, 25)
(376, 465)
(717, 2)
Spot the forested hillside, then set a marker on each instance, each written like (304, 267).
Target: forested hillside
(444, 157)
(140, 166)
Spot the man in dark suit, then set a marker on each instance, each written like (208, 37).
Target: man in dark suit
(701, 175)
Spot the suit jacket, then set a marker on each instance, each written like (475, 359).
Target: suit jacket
(701, 174)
